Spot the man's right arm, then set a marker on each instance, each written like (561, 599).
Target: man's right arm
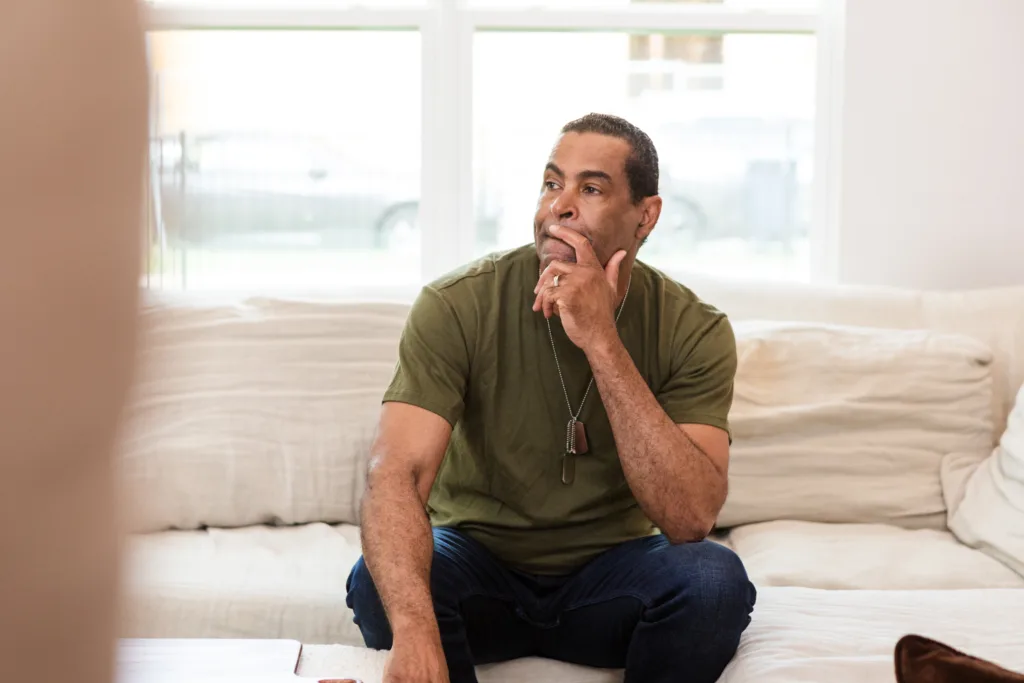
(398, 544)
(422, 403)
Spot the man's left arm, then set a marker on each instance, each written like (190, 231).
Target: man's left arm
(677, 472)
(674, 448)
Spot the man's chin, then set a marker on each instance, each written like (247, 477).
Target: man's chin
(547, 259)
(548, 255)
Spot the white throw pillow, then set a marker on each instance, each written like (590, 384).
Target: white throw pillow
(990, 515)
(255, 412)
(864, 557)
(851, 424)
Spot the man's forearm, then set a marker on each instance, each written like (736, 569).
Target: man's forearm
(398, 549)
(674, 481)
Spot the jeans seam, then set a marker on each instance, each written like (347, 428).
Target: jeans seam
(603, 599)
(489, 596)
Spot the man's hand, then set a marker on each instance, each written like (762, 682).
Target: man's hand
(415, 662)
(586, 295)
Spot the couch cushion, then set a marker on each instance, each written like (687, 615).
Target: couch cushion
(251, 410)
(801, 635)
(990, 513)
(993, 316)
(797, 635)
(255, 412)
(258, 582)
(851, 424)
(344, 661)
(864, 556)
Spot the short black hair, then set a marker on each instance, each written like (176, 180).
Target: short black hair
(642, 163)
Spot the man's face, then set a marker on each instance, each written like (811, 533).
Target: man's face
(585, 188)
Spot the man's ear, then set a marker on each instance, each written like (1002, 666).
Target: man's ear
(649, 216)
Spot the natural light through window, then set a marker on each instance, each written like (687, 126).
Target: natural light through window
(275, 166)
(731, 116)
(354, 147)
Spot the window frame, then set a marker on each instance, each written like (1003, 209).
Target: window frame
(447, 28)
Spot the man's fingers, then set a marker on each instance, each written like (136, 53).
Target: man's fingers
(538, 302)
(584, 251)
(550, 302)
(547, 301)
(560, 268)
(611, 271)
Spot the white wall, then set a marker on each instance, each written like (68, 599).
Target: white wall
(932, 184)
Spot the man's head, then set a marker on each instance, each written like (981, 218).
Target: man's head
(602, 181)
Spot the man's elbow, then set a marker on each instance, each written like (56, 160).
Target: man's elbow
(692, 531)
(392, 479)
(700, 522)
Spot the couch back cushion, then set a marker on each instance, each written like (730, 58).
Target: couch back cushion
(993, 316)
(255, 412)
(251, 410)
(851, 424)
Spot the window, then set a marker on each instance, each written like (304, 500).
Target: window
(272, 169)
(365, 147)
(734, 136)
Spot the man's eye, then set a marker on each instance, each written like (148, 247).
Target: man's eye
(590, 189)
(550, 185)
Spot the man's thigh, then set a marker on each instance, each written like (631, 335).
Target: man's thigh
(474, 598)
(477, 593)
(604, 603)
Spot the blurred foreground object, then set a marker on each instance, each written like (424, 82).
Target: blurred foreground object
(72, 144)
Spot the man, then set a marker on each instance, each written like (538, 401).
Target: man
(561, 412)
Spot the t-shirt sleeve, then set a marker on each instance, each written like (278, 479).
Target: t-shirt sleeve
(433, 359)
(699, 389)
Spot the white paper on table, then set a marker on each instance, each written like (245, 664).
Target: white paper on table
(142, 676)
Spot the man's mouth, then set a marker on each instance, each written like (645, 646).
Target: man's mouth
(557, 250)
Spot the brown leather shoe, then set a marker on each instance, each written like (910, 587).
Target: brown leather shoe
(923, 660)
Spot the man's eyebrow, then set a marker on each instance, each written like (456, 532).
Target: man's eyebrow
(601, 175)
(582, 175)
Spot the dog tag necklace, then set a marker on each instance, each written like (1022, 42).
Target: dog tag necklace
(575, 431)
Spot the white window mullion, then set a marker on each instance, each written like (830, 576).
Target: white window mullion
(446, 204)
(714, 18)
(463, 74)
(270, 15)
(828, 120)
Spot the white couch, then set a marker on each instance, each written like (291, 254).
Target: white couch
(861, 418)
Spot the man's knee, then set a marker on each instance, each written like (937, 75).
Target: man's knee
(450, 580)
(711, 585)
(701, 598)
(364, 601)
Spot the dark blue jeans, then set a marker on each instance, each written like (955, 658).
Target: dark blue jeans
(663, 612)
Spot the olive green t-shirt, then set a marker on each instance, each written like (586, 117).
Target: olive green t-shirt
(474, 352)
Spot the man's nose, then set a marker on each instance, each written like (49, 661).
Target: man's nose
(563, 208)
